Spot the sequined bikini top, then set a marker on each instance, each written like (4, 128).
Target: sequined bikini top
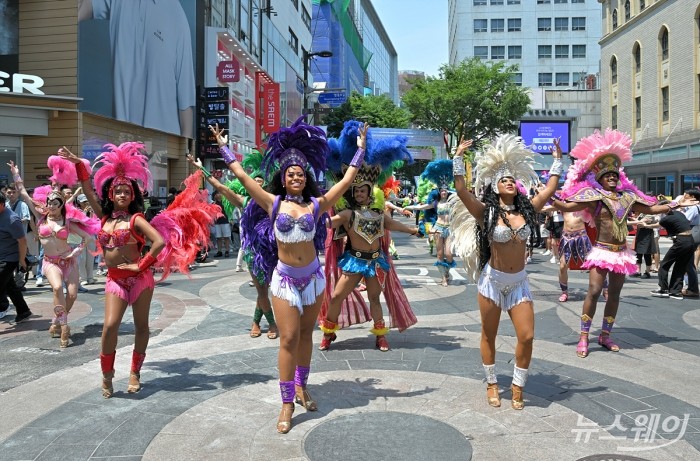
(46, 231)
(367, 226)
(119, 237)
(504, 234)
(294, 230)
(443, 209)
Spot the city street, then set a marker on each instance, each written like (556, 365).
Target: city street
(210, 391)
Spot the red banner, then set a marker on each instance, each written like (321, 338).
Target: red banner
(228, 71)
(271, 107)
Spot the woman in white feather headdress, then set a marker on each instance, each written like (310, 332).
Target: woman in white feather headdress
(497, 236)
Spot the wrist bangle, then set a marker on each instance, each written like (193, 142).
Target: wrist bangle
(458, 167)
(358, 158)
(227, 155)
(207, 173)
(82, 172)
(146, 262)
(557, 167)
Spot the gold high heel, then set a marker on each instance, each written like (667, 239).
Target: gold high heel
(284, 422)
(55, 330)
(107, 389)
(517, 399)
(492, 395)
(134, 383)
(65, 334)
(304, 399)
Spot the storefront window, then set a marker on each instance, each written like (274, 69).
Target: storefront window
(662, 185)
(690, 181)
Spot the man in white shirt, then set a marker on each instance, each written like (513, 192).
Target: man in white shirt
(152, 62)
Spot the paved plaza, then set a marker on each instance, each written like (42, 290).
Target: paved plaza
(210, 392)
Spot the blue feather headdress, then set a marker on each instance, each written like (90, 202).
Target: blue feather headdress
(381, 156)
(439, 172)
(301, 145)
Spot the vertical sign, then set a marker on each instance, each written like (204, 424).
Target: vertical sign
(267, 108)
(213, 110)
(272, 107)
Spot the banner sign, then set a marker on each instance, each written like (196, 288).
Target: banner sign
(271, 107)
(228, 71)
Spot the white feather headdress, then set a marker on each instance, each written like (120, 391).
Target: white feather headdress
(508, 157)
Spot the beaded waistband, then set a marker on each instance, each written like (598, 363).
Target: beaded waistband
(611, 246)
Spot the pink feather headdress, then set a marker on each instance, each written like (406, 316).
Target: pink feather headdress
(123, 163)
(64, 170)
(596, 155)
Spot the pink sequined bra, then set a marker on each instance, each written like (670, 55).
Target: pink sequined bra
(119, 237)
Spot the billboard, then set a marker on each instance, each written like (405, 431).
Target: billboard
(540, 135)
(9, 37)
(136, 62)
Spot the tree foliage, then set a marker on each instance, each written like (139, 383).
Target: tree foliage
(378, 111)
(473, 100)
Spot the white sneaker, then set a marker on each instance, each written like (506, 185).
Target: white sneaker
(39, 281)
(528, 260)
(239, 269)
(547, 253)
(553, 260)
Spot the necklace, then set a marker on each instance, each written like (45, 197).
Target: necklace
(507, 207)
(294, 198)
(120, 215)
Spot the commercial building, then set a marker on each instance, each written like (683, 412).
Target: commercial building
(554, 42)
(650, 86)
(364, 59)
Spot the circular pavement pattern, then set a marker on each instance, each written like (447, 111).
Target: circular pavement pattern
(375, 435)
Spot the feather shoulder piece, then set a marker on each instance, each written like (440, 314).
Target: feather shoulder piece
(464, 241)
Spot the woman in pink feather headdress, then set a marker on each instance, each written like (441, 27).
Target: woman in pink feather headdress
(56, 219)
(597, 187)
(121, 174)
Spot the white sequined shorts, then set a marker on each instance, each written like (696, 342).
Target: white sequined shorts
(504, 289)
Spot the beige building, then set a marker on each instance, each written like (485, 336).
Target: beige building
(650, 88)
(40, 104)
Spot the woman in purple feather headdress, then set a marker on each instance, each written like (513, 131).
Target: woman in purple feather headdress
(296, 212)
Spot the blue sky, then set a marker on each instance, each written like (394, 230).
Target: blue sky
(418, 31)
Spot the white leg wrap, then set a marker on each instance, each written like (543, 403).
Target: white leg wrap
(519, 376)
(490, 372)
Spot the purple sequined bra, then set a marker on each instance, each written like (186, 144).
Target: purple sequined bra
(294, 230)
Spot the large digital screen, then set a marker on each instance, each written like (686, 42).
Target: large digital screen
(9, 38)
(540, 136)
(136, 62)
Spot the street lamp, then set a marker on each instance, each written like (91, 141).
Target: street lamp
(307, 57)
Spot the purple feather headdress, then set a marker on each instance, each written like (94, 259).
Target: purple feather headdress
(301, 144)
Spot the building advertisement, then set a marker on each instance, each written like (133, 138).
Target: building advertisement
(9, 37)
(136, 62)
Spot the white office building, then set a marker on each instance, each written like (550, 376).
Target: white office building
(554, 42)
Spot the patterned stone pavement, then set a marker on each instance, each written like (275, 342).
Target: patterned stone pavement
(210, 391)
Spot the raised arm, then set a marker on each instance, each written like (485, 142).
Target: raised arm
(391, 224)
(539, 200)
(263, 198)
(665, 208)
(236, 199)
(19, 185)
(337, 191)
(474, 205)
(84, 178)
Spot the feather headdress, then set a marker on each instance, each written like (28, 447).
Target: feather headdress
(64, 172)
(122, 163)
(390, 186)
(596, 155)
(439, 172)
(508, 157)
(252, 162)
(301, 144)
(381, 156)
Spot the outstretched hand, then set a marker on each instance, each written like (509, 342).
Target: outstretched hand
(221, 138)
(65, 153)
(556, 150)
(13, 168)
(362, 138)
(193, 161)
(463, 145)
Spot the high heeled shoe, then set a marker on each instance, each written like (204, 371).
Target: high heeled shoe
(382, 344)
(492, 395)
(55, 330)
(517, 397)
(134, 383)
(65, 334)
(284, 422)
(304, 399)
(107, 389)
(326, 341)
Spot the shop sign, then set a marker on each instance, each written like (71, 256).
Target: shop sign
(21, 83)
(271, 107)
(228, 71)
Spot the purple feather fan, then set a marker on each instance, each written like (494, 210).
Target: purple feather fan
(258, 240)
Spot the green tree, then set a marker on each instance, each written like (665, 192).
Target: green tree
(472, 100)
(378, 111)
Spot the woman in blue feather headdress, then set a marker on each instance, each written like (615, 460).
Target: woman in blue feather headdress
(289, 225)
(439, 172)
(366, 226)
